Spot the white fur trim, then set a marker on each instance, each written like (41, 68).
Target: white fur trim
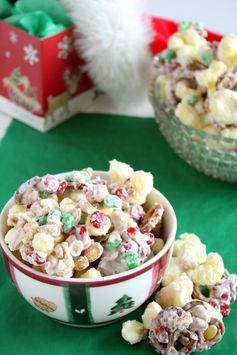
(113, 39)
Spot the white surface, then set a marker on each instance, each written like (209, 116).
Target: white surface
(215, 14)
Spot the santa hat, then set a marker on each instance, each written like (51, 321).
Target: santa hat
(117, 42)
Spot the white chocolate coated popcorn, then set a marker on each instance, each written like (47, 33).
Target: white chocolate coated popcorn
(43, 242)
(190, 251)
(67, 205)
(182, 90)
(223, 106)
(60, 262)
(177, 293)
(210, 272)
(133, 331)
(188, 115)
(150, 313)
(91, 274)
(227, 50)
(141, 184)
(173, 271)
(188, 37)
(119, 172)
(209, 76)
(162, 86)
(14, 238)
(198, 80)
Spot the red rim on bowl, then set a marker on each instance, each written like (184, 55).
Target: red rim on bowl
(169, 214)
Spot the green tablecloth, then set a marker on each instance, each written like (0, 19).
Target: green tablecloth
(203, 206)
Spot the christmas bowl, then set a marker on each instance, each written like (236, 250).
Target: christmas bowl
(211, 154)
(91, 302)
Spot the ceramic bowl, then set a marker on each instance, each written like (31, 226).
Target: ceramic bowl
(91, 302)
(211, 154)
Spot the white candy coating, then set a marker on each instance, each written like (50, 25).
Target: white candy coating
(133, 331)
(150, 313)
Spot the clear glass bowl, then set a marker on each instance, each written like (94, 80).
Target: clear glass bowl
(213, 155)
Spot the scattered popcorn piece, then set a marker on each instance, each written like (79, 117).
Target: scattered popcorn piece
(177, 293)
(173, 272)
(210, 272)
(91, 273)
(133, 331)
(150, 313)
(119, 172)
(190, 251)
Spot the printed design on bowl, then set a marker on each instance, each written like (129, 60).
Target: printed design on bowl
(122, 303)
(77, 298)
(44, 305)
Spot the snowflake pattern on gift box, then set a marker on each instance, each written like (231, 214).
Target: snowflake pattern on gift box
(31, 54)
(7, 54)
(65, 47)
(13, 37)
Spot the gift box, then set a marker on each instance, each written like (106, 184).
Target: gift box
(42, 81)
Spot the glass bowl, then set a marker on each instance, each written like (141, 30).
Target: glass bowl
(211, 154)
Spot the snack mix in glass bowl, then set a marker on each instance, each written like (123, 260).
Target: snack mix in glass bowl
(194, 95)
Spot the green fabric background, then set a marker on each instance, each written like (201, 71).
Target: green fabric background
(204, 206)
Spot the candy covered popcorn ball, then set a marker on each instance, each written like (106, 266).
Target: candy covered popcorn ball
(183, 320)
(83, 226)
(194, 95)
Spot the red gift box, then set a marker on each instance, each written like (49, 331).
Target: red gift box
(42, 82)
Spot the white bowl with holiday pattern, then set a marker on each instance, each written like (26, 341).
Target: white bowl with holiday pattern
(91, 302)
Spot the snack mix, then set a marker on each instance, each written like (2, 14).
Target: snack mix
(83, 226)
(198, 79)
(195, 295)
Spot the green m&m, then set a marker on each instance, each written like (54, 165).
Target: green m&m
(184, 25)
(167, 56)
(55, 214)
(192, 99)
(42, 220)
(113, 242)
(131, 260)
(112, 201)
(68, 222)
